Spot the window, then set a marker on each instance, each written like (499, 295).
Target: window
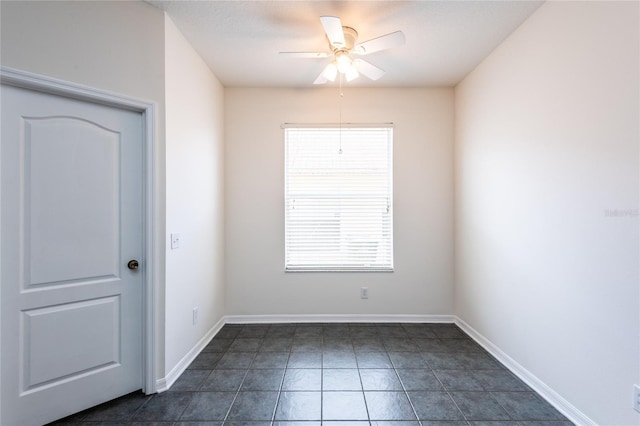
(338, 199)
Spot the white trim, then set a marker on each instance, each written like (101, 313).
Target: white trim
(161, 385)
(297, 269)
(320, 318)
(336, 125)
(168, 381)
(54, 86)
(28, 80)
(151, 255)
(552, 397)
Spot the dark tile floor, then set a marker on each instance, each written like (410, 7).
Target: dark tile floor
(336, 375)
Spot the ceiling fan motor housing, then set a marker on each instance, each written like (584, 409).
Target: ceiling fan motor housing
(350, 37)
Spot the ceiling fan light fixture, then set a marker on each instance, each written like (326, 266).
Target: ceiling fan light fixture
(330, 72)
(343, 62)
(351, 74)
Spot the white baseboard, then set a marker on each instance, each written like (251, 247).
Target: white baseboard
(273, 319)
(166, 382)
(552, 397)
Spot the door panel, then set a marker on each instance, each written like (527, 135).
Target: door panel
(70, 220)
(90, 330)
(83, 158)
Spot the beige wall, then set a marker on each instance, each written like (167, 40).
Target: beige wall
(194, 196)
(115, 46)
(547, 189)
(254, 203)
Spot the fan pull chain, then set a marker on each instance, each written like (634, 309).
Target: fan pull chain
(340, 116)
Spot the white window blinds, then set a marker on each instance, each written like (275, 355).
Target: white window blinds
(338, 199)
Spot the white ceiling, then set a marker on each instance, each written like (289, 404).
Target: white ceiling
(446, 40)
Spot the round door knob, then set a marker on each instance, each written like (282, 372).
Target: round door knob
(133, 264)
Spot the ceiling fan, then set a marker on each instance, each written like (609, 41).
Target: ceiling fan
(342, 42)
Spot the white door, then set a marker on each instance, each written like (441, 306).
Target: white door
(70, 221)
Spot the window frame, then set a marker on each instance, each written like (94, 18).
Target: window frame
(385, 228)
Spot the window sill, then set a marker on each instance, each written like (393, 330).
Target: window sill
(311, 269)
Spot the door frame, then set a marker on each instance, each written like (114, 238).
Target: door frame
(53, 86)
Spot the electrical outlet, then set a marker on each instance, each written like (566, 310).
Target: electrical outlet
(364, 292)
(175, 241)
(636, 398)
(195, 315)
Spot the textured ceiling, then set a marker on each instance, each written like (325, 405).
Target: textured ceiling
(446, 40)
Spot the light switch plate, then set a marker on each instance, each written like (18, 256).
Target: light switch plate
(175, 241)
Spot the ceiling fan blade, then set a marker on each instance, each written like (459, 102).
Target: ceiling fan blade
(321, 79)
(380, 43)
(329, 73)
(368, 69)
(333, 27)
(304, 55)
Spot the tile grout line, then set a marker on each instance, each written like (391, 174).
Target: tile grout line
(446, 389)
(364, 396)
(501, 406)
(464, 368)
(284, 373)
(131, 418)
(406, 393)
(235, 397)
(185, 407)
